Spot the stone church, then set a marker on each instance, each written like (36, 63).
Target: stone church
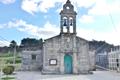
(65, 53)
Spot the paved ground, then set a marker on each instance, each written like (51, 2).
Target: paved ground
(98, 75)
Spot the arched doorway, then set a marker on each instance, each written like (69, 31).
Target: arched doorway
(68, 64)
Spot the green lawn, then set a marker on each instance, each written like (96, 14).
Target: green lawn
(8, 78)
(7, 59)
(6, 54)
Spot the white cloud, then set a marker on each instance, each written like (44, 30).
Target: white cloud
(45, 5)
(46, 31)
(32, 6)
(111, 37)
(7, 1)
(29, 6)
(83, 3)
(1, 26)
(103, 7)
(86, 19)
(4, 43)
(50, 30)
(85, 33)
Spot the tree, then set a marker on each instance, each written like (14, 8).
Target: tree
(13, 44)
(40, 42)
(31, 42)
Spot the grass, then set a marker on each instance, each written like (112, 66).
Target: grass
(10, 61)
(8, 78)
(6, 54)
(7, 59)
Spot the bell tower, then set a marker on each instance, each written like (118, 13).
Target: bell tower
(68, 18)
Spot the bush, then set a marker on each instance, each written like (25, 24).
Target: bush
(8, 70)
(17, 61)
(11, 61)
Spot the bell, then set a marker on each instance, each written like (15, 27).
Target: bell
(71, 24)
(65, 24)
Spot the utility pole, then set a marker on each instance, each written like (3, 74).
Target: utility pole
(1, 67)
(1, 70)
(14, 55)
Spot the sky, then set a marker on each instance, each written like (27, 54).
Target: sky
(96, 19)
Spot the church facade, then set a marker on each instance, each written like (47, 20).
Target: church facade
(66, 53)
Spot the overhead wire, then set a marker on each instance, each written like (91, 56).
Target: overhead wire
(4, 38)
(111, 18)
(3, 41)
(114, 27)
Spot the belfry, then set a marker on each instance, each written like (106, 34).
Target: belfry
(68, 18)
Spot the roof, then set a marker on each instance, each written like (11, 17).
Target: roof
(58, 36)
(52, 37)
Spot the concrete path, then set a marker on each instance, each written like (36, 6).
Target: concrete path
(98, 75)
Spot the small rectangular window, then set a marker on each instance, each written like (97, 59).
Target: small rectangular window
(53, 61)
(33, 57)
